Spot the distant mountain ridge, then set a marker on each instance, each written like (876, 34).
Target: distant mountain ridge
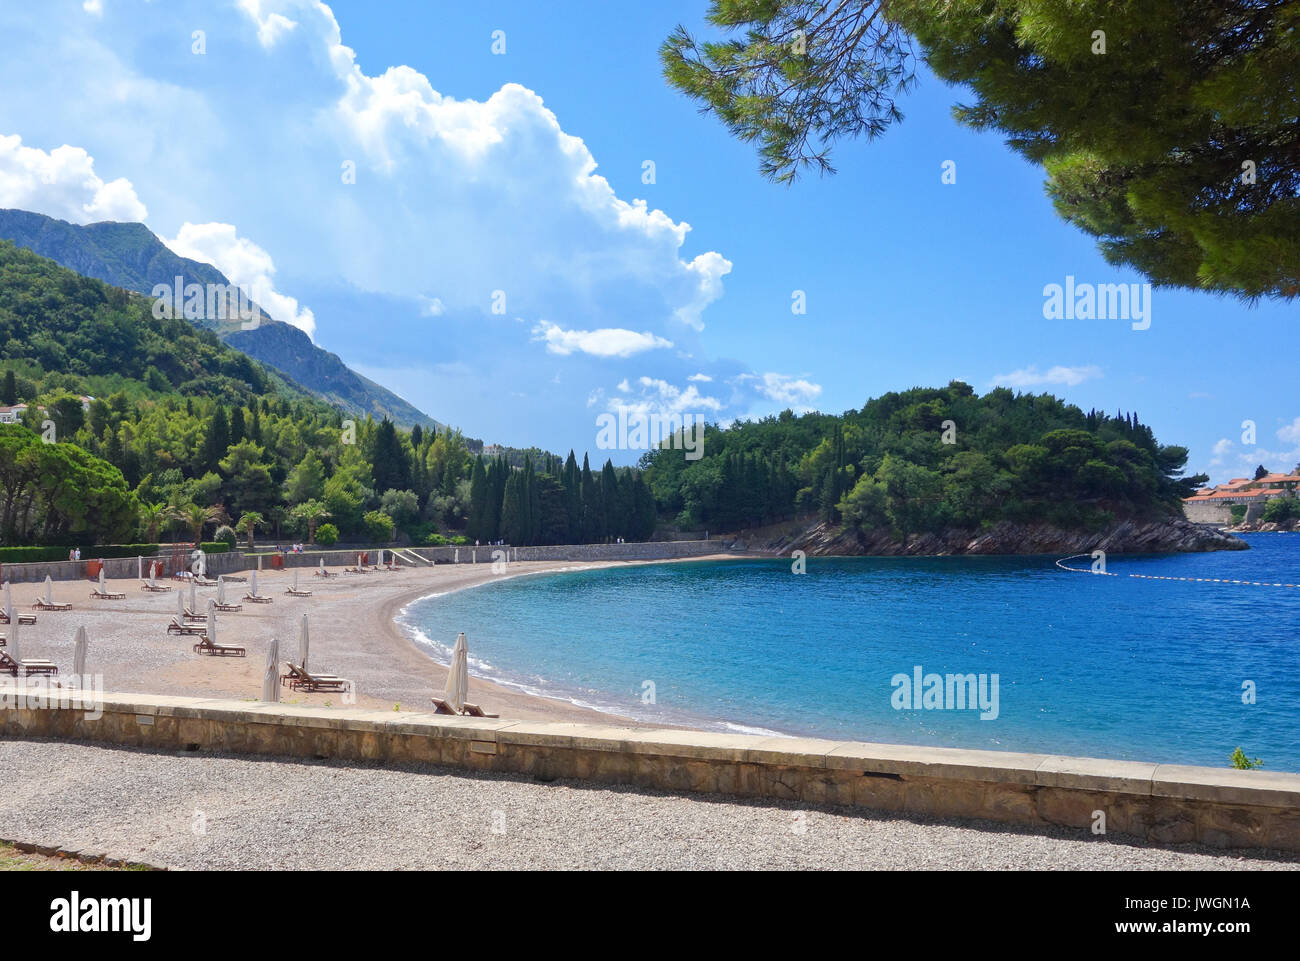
(131, 256)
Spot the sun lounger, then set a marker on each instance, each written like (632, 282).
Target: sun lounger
(189, 617)
(471, 710)
(205, 646)
(22, 618)
(97, 595)
(195, 630)
(155, 588)
(300, 679)
(320, 573)
(42, 606)
(234, 579)
(204, 581)
(28, 666)
(259, 598)
(298, 593)
(227, 608)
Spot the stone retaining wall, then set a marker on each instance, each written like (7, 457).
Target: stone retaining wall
(236, 561)
(1161, 803)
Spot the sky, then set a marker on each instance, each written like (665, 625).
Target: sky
(505, 215)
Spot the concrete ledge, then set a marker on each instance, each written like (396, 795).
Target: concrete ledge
(1161, 803)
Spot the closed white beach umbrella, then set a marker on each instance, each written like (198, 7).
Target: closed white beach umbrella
(49, 590)
(271, 679)
(103, 584)
(194, 598)
(79, 655)
(259, 565)
(139, 568)
(303, 644)
(221, 590)
(322, 565)
(9, 603)
(253, 592)
(212, 621)
(458, 675)
(153, 575)
(14, 648)
(295, 578)
(180, 605)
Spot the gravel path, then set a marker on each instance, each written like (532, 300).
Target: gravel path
(226, 812)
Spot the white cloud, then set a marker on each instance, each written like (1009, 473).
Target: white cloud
(605, 342)
(94, 7)
(782, 388)
(271, 26)
(1033, 377)
(700, 378)
(658, 397)
(63, 184)
(1290, 433)
(431, 306)
(245, 264)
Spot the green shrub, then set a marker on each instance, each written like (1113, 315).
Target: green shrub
(226, 534)
(1243, 763)
(436, 540)
(327, 535)
(28, 555)
(1238, 513)
(1280, 509)
(460, 540)
(379, 526)
(215, 547)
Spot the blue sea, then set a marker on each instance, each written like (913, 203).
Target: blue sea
(1116, 667)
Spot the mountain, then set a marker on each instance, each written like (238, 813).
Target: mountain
(132, 257)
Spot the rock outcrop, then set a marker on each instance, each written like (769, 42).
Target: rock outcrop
(1123, 537)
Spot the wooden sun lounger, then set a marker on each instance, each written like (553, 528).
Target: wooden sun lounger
(298, 593)
(196, 630)
(29, 666)
(300, 679)
(22, 618)
(204, 581)
(320, 573)
(191, 618)
(471, 710)
(155, 588)
(227, 608)
(98, 595)
(258, 598)
(42, 606)
(205, 646)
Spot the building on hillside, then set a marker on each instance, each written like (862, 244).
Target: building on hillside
(12, 415)
(1213, 505)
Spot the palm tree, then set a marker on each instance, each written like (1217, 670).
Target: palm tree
(152, 517)
(313, 512)
(195, 517)
(248, 523)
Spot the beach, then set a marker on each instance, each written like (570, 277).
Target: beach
(352, 628)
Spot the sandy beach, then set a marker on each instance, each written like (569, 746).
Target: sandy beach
(352, 626)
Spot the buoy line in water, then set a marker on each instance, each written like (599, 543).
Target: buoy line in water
(1157, 577)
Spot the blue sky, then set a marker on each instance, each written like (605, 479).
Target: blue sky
(522, 173)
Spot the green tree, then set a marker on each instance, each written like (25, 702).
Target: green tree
(248, 524)
(307, 480)
(311, 512)
(1192, 179)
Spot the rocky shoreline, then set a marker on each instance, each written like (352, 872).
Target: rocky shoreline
(1174, 535)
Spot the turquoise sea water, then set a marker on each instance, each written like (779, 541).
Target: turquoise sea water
(1100, 666)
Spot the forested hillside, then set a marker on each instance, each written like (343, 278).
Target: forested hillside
(190, 436)
(926, 459)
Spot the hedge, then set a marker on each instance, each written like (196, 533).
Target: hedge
(25, 555)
